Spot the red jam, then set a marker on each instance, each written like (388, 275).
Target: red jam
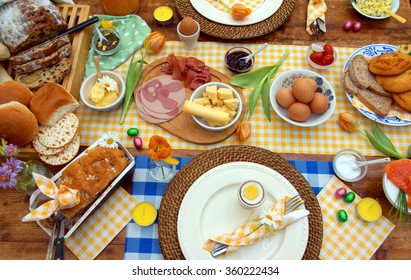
(237, 65)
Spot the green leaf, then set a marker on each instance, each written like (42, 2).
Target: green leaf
(381, 148)
(383, 139)
(133, 76)
(265, 97)
(251, 79)
(254, 95)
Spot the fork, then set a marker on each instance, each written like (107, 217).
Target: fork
(290, 205)
(315, 27)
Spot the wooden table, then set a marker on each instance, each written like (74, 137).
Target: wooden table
(28, 241)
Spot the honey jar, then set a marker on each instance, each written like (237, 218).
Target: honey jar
(120, 7)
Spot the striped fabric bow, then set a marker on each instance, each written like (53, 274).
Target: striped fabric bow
(62, 198)
(270, 221)
(316, 9)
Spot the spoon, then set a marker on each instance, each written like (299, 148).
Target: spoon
(100, 35)
(394, 15)
(251, 55)
(97, 63)
(363, 163)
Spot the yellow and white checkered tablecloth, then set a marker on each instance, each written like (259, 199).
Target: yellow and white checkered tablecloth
(102, 226)
(276, 135)
(353, 239)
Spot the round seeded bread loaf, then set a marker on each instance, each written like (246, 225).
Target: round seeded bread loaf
(69, 152)
(60, 134)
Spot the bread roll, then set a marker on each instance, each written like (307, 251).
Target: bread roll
(14, 91)
(397, 83)
(52, 102)
(393, 63)
(18, 125)
(403, 100)
(92, 174)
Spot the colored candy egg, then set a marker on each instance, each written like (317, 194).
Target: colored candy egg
(342, 216)
(133, 131)
(349, 197)
(340, 193)
(138, 142)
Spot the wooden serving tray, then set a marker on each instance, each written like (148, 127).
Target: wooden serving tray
(74, 14)
(183, 126)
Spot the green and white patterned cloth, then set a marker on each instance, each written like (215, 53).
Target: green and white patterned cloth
(133, 31)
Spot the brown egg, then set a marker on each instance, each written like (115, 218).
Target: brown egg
(319, 104)
(313, 83)
(303, 90)
(299, 112)
(285, 97)
(188, 26)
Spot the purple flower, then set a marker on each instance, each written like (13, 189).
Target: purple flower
(14, 164)
(10, 150)
(7, 179)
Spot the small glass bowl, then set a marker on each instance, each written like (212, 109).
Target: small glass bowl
(96, 39)
(315, 65)
(344, 169)
(234, 63)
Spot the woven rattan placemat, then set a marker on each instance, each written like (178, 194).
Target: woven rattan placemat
(218, 30)
(173, 196)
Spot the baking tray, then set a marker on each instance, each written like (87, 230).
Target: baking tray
(38, 197)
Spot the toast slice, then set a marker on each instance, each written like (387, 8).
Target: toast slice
(380, 105)
(363, 78)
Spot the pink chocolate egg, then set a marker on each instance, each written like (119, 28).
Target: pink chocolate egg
(341, 192)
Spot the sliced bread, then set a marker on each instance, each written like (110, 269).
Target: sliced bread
(53, 74)
(380, 105)
(348, 84)
(60, 134)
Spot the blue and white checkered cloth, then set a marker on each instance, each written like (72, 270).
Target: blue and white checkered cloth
(142, 243)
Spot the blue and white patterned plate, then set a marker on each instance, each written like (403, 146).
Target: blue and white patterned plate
(369, 52)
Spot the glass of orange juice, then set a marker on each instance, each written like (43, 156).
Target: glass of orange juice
(120, 7)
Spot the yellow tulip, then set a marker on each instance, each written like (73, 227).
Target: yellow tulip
(154, 42)
(240, 11)
(348, 122)
(243, 131)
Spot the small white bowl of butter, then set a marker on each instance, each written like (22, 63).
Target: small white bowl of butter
(215, 99)
(370, 8)
(107, 100)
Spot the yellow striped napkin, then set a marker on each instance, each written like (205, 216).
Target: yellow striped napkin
(353, 239)
(98, 230)
(395, 110)
(315, 9)
(248, 3)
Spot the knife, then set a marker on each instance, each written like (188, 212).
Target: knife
(59, 242)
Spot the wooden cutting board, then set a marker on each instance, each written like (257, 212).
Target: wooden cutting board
(183, 126)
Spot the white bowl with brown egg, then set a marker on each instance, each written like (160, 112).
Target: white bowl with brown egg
(214, 106)
(302, 98)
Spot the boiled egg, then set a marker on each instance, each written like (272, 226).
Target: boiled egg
(319, 104)
(285, 97)
(303, 90)
(251, 194)
(299, 112)
(188, 26)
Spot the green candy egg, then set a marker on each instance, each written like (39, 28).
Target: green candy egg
(349, 197)
(132, 131)
(342, 216)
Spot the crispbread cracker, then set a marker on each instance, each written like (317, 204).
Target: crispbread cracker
(70, 151)
(45, 150)
(60, 134)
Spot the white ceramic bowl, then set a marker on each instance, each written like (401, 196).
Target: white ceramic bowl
(394, 8)
(88, 84)
(391, 191)
(198, 93)
(342, 174)
(286, 80)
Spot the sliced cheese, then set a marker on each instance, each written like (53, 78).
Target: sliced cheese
(229, 111)
(225, 93)
(199, 100)
(232, 103)
(212, 89)
(212, 95)
(204, 112)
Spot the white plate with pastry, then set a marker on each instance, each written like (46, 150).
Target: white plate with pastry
(262, 12)
(369, 52)
(211, 207)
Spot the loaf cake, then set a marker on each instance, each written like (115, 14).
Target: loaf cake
(92, 174)
(27, 23)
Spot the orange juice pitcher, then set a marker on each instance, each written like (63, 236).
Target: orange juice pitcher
(120, 7)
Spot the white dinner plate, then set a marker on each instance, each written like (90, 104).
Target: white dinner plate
(369, 52)
(264, 11)
(391, 191)
(211, 207)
